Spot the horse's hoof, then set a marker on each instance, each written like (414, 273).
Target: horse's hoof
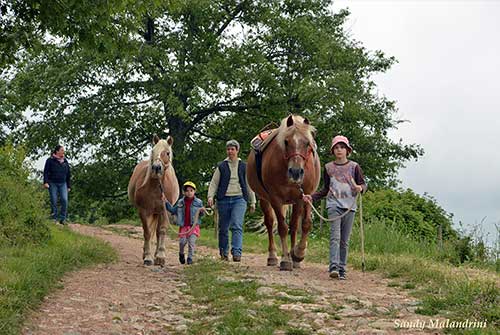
(272, 261)
(160, 261)
(296, 265)
(148, 262)
(296, 258)
(286, 266)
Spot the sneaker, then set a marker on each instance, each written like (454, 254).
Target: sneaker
(62, 222)
(236, 258)
(334, 274)
(224, 257)
(182, 260)
(189, 261)
(342, 276)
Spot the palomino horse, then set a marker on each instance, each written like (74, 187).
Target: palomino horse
(149, 179)
(290, 167)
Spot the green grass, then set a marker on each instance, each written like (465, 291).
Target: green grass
(27, 274)
(231, 297)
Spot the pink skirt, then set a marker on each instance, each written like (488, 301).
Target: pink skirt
(184, 229)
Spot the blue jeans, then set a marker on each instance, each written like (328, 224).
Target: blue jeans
(340, 231)
(231, 215)
(61, 190)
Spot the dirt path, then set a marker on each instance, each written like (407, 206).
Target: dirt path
(129, 298)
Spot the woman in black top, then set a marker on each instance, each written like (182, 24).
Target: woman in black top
(56, 178)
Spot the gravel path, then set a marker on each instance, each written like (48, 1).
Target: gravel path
(128, 298)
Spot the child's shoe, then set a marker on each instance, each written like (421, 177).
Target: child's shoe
(189, 261)
(342, 275)
(182, 260)
(334, 273)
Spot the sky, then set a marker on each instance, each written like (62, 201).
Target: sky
(447, 84)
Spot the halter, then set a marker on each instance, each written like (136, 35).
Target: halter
(296, 153)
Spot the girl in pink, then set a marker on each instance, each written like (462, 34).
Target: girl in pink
(343, 180)
(185, 209)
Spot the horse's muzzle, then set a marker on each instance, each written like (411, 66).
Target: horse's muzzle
(296, 175)
(157, 169)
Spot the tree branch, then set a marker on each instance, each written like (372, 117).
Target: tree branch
(231, 17)
(210, 136)
(114, 196)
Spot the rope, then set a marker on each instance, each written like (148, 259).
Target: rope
(208, 211)
(361, 226)
(337, 217)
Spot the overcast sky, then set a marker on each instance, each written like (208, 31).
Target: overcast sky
(447, 83)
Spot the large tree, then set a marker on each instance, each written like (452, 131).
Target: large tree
(202, 71)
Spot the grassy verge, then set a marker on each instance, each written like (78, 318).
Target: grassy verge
(27, 274)
(231, 303)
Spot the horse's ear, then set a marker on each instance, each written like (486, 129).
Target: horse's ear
(156, 139)
(306, 120)
(289, 121)
(170, 140)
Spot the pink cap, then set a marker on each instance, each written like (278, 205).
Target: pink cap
(341, 139)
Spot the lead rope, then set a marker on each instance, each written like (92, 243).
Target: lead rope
(361, 226)
(208, 211)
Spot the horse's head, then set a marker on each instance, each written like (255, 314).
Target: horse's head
(297, 141)
(161, 156)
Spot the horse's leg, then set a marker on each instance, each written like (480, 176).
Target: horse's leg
(146, 227)
(299, 252)
(161, 234)
(286, 262)
(294, 224)
(272, 259)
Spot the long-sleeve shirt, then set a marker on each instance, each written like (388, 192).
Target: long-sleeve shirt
(337, 184)
(57, 172)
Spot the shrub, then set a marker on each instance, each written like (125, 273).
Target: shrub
(22, 217)
(410, 213)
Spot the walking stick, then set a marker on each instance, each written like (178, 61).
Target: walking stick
(361, 230)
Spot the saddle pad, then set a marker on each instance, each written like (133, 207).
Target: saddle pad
(260, 142)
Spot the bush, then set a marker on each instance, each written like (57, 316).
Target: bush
(22, 217)
(410, 213)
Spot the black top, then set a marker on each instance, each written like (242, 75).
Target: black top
(57, 172)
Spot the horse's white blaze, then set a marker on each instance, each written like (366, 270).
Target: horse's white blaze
(296, 139)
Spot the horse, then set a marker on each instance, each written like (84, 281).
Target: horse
(290, 168)
(149, 180)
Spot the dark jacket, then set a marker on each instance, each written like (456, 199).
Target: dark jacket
(56, 172)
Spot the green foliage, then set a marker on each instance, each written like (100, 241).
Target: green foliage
(29, 273)
(417, 216)
(201, 71)
(22, 217)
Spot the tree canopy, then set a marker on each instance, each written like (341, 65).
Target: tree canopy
(104, 76)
